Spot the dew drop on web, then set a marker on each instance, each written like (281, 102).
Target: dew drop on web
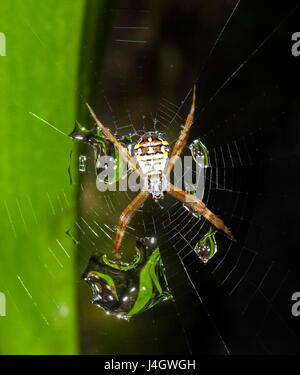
(200, 153)
(206, 247)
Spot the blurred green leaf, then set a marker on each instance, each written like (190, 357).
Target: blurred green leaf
(39, 74)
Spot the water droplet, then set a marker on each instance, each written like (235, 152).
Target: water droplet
(194, 213)
(206, 248)
(131, 288)
(76, 242)
(88, 136)
(82, 163)
(200, 153)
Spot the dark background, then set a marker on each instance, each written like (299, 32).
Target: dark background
(247, 115)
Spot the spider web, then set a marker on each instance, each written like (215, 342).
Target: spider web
(240, 301)
(247, 113)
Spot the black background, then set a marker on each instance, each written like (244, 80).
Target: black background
(240, 302)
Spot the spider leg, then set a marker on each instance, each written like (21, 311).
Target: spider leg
(198, 206)
(122, 150)
(125, 218)
(181, 141)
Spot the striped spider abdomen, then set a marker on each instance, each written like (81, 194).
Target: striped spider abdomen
(152, 155)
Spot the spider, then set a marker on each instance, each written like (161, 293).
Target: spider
(152, 162)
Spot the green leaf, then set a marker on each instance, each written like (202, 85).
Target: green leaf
(39, 74)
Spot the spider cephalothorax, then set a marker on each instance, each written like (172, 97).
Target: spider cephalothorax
(152, 162)
(152, 155)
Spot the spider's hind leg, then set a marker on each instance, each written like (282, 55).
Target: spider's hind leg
(198, 206)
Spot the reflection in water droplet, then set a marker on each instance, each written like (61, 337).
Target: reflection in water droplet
(82, 163)
(200, 153)
(132, 288)
(206, 248)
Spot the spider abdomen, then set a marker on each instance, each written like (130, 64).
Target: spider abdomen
(152, 154)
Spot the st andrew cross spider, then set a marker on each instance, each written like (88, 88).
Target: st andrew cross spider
(152, 162)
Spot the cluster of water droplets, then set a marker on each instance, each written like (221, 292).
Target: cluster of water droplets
(105, 153)
(206, 247)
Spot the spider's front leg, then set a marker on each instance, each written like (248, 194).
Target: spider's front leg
(122, 150)
(138, 200)
(198, 206)
(181, 141)
(125, 218)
